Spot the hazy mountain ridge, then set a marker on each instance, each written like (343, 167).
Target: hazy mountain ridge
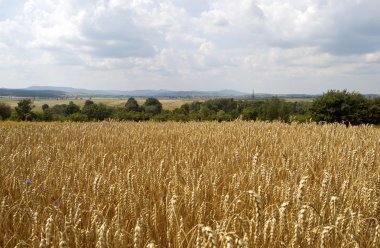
(140, 93)
(67, 92)
(162, 93)
(31, 93)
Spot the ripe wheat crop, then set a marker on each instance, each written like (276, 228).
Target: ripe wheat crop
(237, 184)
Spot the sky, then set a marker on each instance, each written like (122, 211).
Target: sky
(271, 46)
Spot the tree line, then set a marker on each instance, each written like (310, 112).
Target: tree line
(333, 106)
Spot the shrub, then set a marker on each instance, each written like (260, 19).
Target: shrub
(5, 111)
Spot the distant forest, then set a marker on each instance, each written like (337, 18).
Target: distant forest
(333, 106)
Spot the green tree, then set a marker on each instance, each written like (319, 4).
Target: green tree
(249, 113)
(132, 105)
(194, 107)
(185, 109)
(45, 107)
(152, 106)
(374, 111)
(274, 109)
(97, 111)
(122, 115)
(206, 112)
(47, 115)
(5, 111)
(23, 109)
(88, 103)
(225, 104)
(340, 106)
(72, 108)
(58, 111)
(78, 117)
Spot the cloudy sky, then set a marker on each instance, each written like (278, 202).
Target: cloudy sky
(274, 46)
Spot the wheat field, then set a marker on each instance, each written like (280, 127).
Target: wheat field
(236, 184)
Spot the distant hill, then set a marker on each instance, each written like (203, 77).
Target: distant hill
(293, 96)
(168, 93)
(59, 92)
(30, 93)
(139, 93)
(55, 88)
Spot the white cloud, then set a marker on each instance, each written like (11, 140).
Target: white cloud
(272, 45)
